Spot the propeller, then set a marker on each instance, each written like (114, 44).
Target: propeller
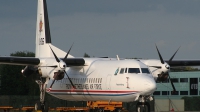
(174, 89)
(62, 65)
(54, 66)
(167, 66)
(159, 67)
(67, 53)
(161, 59)
(54, 55)
(170, 60)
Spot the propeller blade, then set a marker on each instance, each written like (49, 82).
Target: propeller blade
(161, 59)
(170, 60)
(159, 67)
(54, 55)
(54, 66)
(68, 53)
(70, 80)
(174, 89)
(52, 84)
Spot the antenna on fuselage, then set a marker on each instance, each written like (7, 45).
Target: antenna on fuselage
(117, 57)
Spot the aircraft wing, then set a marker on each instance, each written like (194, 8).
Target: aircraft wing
(175, 63)
(36, 61)
(19, 60)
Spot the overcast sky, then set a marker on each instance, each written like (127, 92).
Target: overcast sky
(106, 27)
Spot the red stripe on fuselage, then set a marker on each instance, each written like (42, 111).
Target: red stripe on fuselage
(93, 91)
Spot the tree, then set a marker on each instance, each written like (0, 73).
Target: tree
(86, 55)
(191, 103)
(13, 82)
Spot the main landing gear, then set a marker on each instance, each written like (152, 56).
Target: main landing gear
(143, 105)
(42, 105)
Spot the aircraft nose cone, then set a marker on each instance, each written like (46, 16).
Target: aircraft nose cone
(150, 86)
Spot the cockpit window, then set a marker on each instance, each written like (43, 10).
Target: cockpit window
(133, 70)
(116, 71)
(121, 71)
(145, 70)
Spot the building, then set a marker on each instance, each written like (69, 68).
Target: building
(186, 84)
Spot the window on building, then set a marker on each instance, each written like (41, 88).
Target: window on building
(165, 92)
(145, 70)
(121, 71)
(166, 81)
(175, 80)
(193, 86)
(156, 93)
(183, 92)
(133, 70)
(183, 79)
(174, 92)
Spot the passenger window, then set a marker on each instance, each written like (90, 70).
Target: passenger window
(133, 70)
(122, 71)
(145, 70)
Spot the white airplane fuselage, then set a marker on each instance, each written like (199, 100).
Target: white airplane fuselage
(99, 81)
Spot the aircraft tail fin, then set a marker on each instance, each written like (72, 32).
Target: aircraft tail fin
(43, 35)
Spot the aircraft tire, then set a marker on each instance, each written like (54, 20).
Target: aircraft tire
(147, 107)
(38, 106)
(141, 108)
(118, 110)
(45, 107)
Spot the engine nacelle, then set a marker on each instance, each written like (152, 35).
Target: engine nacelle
(28, 70)
(51, 68)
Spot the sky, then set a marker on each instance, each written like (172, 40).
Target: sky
(128, 28)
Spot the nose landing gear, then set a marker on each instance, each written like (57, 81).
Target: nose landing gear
(143, 105)
(42, 105)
